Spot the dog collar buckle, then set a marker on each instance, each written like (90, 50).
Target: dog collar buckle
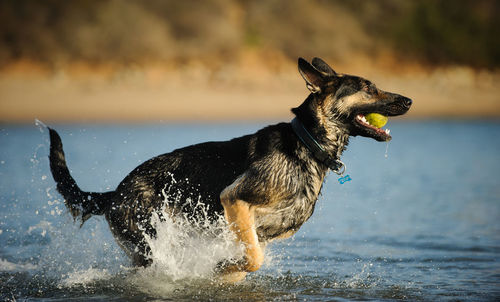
(338, 167)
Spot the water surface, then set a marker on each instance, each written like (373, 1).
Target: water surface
(419, 221)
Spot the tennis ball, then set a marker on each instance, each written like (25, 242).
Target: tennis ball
(377, 120)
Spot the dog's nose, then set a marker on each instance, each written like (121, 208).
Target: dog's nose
(406, 102)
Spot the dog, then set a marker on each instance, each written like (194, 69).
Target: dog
(264, 184)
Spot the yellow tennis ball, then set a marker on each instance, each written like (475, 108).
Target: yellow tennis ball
(377, 120)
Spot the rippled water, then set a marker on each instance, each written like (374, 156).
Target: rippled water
(419, 221)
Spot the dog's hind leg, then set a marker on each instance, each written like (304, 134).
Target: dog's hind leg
(241, 218)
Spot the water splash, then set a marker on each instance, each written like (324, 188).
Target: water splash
(84, 277)
(186, 248)
(6, 266)
(41, 126)
(185, 251)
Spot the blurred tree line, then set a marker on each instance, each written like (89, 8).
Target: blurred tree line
(437, 32)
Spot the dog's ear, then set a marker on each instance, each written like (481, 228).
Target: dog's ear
(314, 78)
(323, 67)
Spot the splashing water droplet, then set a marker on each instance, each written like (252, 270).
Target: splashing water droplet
(41, 126)
(386, 150)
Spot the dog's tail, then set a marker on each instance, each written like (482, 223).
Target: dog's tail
(80, 204)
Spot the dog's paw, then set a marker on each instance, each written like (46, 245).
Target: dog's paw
(223, 265)
(230, 271)
(229, 266)
(231, 278)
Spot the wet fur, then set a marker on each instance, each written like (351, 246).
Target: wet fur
(266, 184)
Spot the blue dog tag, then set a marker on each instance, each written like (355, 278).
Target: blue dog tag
(342, 180)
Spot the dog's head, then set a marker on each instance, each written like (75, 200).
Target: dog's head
(345, 100)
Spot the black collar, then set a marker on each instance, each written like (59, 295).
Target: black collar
(316, 149)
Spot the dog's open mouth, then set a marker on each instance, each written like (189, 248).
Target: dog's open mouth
(370, 130)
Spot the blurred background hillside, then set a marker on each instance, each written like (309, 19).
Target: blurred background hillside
(111, 60)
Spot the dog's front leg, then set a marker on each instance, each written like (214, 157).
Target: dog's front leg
(241, 218)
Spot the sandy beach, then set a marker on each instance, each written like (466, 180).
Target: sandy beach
(246, 91)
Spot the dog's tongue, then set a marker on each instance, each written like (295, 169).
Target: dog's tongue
(376, 119)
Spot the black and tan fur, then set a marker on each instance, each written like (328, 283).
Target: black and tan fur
(265, 184)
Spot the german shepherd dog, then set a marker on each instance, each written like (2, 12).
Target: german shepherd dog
(264, 184)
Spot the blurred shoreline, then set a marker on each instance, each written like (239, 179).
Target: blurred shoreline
(112, 61)
(255, 87)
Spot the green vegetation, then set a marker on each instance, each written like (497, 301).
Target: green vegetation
(436, 31)
(433, 32)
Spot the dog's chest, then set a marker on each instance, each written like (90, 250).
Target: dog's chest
(272, 222)
(284, 218)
